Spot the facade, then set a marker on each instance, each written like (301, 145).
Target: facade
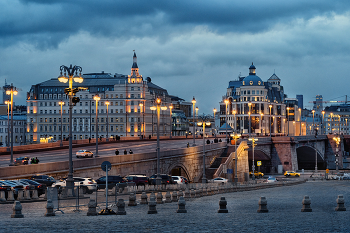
(19, 129)
(127, 98)
(258, 106)
(336, 119)
(300, 99)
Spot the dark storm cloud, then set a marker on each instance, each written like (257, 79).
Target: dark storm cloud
(47, 23)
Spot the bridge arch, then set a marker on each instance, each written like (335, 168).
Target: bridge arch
(306, 156)
(260, 155)
(178, 169)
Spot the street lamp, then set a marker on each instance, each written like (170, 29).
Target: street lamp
(270, 106)
(226, 103)
(288, 120)
(8, 102)
(323, 130)
(253, 166)
(158, 108)
(250, 105)
(171, 119)
(346, 129)
(299, 121)
(204, 120)
(61, 103)
(339, 123)
(331, 121)
(337, 141)
(214, 110)
(143, 119)
(11, 90)
(72, 75)
(194, 125)
(107, 103)
(313, 120)
(96, 98)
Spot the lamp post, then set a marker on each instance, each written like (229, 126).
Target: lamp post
(323, 130)
(313, 121)
(197, 117)
(61, 103)
(331, 121)
(270, 106)
(204, 120)
(288, 120)
(250, 105)
(107, 103)
(96, 98)
(337, 141)
(214, 110)
(143, 119)
(11, 90)
(194, 125)
(346, 129)
(339, 123)
(299, 121)
(261, 122)
(158, 108)
(316, 152)
(236, 136)
(63, 78)
(8, 102)
(226, 103)
(171, 119)
(253, 166)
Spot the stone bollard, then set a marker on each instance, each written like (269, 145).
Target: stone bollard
(223, 204)
(35, 194)
(17, 210)
(306, 204)
(114, 190)
(198, 192)
(132, 199)
(182, 206)
(10, 196)
(20, 195)
(340, 203)
(144, 199)
(193, 193)
(160, 198)
(217, 191)
(92, 208)
(187, 195)
(121, 207)
(167, 197)
(174, 196)
(49, 209)
(152, 205)
(2, 196)
(204, 191)
(27, 194)
(180, 194)
(262, 205)
(213, 190)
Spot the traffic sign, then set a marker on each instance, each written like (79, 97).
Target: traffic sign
(327, 170)
(106, 164)
(258, 163)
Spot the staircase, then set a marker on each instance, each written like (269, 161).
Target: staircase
(209, 172)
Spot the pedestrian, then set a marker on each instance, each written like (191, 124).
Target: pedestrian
(130, 152)
(149, 136)
(36, 160)
(188, 145)
(116, 152)
(125, 152)
(100, 138)
(32, 161)
(89, 140)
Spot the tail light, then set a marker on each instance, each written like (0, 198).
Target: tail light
(27, 187)
(90, 182)
(40, 186)
(182, 180)
(167, 181)
(146, 181)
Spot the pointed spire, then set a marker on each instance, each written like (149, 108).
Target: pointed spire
(134, 59)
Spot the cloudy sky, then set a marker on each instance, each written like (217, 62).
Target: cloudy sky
(191, 48)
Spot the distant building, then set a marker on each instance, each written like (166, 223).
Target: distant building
(336, 119)
(318, 104)
(300, 99)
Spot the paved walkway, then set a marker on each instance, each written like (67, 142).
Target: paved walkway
(284, 205)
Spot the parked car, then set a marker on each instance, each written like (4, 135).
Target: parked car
(137, 179)
(88, 184)
(186, 180)
(166, 179)
(257, 174)
(5, 187)
(179, 179)
(84, 154)
(43, 179)
(15, 186)
(291, 173)
(26, 185)
(218, 180)
(41, 188)
(21, 161)
(112, 181)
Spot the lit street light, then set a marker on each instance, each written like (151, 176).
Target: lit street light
(143, 119)
(270, 106)
(11, 90)
(107, 103)
(226, 103)
(250, 105)
(70, 92)
(313, 121)
(337, 141)
(288, 120)
(214, 110)
(158, 108)
(96, 98)
(61, 103)
(171, 120)
(323, 128)
(253, 146)
(203, 121)
(194, 125)
(300, 121)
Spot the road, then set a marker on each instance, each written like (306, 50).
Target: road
(103, 150)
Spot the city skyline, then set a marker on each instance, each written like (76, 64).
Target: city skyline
(189, 48)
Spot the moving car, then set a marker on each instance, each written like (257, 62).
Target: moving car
(271, 180)
(257, 174)
(21, 161)
(179, 179)
(218, 180)
(43, 179)
(291, 173)
(84, 154)
(88, 184)
(137, 179)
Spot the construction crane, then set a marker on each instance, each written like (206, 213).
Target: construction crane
(332, 101)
